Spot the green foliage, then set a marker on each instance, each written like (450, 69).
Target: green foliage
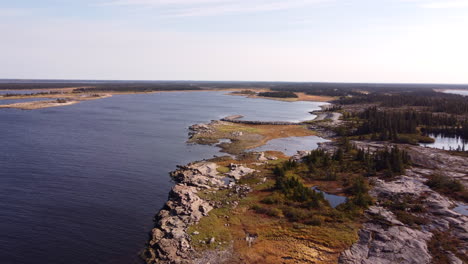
(273, 212)
(282, 94)
(390, 125)
(359, 191)
(302, 215)
(275, 198)
(392, 160)
(426, 98)
(448, 186)
(295, 191)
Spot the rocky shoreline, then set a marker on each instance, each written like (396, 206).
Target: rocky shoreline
(406, 220)
(170, 241)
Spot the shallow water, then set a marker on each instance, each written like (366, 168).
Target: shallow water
(461, 209)
(289, 146)
(21, 91)
(81, 183)
(13, 101)
(461, 92)
(447, 143)
(334, 200)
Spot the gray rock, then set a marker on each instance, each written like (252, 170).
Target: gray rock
(238, 171)
(169, 241)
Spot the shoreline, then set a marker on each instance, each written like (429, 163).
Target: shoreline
(173, 238)
(34, 105)
(78, 97)
(209, 220)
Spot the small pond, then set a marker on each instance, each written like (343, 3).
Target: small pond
(289, 146)
(461, 209)
(334, 200)
(447, 143)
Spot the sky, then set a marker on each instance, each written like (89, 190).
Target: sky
(397, 41)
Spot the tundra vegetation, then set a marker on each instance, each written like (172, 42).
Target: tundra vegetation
(284, 211)
(291, 222)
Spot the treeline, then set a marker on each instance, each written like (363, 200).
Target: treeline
(360, 91)
(388, 124)
(324, 90)
(282, 94)
(31, 94)
(136, 88)
(38, 86)
(432, 101)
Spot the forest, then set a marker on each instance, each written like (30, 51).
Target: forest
(282, 94)
(389, 124)
(428, 99)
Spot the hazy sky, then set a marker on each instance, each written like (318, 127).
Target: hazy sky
(294, 40)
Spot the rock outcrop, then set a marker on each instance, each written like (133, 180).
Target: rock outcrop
(385, 239)
(170, 242)
(384, 244)
(238, 171)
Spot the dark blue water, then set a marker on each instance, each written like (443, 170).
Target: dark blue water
(81, 183)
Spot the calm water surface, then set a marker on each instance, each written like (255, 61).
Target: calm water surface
(461, 92)
(13, 101)
(333, 199)
(81, 183)
(447, 143)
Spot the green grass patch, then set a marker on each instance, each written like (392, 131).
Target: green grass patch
(223, 169)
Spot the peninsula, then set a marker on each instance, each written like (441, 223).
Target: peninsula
(401, 202)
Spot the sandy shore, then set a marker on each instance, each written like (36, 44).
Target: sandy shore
(300, 96)
(37, 105)
(78, 97)
(70, 100)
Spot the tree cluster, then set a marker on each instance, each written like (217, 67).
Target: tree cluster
(388, 124)
(430, 100)
(281, 94)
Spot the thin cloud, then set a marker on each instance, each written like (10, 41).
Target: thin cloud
(159, 2)
(14, 12)
(446, 4)
(192, 8)
(439, 4)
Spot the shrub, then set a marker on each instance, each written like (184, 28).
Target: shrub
(274, 212)
(314, 221)
(273, 199)
(297, 214)
(447, 186)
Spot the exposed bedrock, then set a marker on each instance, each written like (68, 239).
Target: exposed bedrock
(384, 238)
(169, 241)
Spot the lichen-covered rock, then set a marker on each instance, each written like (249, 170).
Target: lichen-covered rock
(239, 171)
(380, 243)
(384, 239)
(202, 175)
(170, 242)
